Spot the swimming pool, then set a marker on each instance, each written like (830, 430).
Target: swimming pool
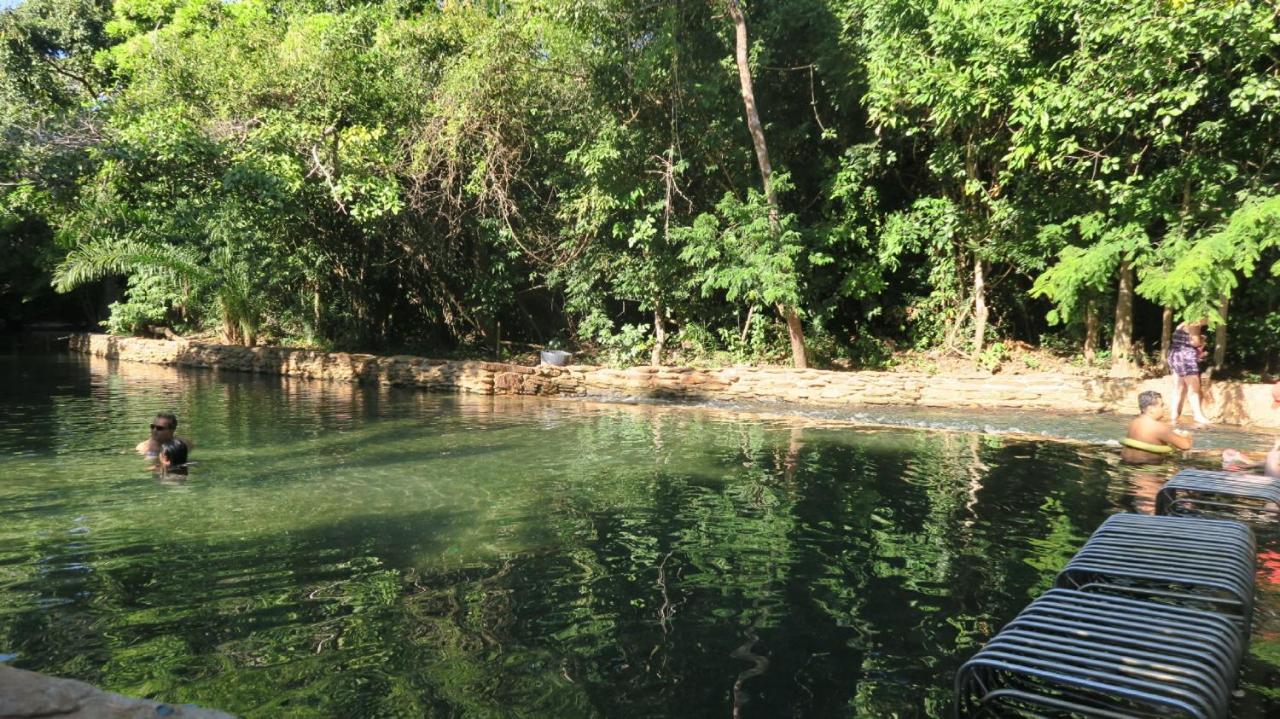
(367, 551)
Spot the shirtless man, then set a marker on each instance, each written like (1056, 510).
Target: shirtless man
(1150, 439)
(162, 429)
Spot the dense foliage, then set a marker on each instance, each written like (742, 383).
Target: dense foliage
(658, 181)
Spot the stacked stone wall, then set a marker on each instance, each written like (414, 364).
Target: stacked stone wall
(1230, 402)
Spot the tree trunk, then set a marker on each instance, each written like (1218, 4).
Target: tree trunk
(979, 306)
(110, 294)
(1122, 338)
(1220, 337)
(1166, 332)
(230, 332)
(659, 335)
(669, 187)
(794, 329)
(315, 312)
(741, 50)
(1090, 330)
(1271, 356)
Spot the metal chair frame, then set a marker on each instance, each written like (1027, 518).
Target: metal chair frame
(1105, 656)
(1075, 605)
(1151, 617)
(997, 698)
(1204, 563)
(1184, 528)
(1199, 490)
(1179, 527)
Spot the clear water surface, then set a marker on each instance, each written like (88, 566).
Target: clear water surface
(373, 552)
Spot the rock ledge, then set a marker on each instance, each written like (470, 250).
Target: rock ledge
(28, 694)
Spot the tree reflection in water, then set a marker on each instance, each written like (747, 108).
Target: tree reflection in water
(363, 551)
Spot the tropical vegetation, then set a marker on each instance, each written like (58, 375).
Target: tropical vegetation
(803, 181)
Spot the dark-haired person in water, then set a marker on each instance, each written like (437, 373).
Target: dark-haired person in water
(1150, 439)
(171, 464)
(173, 457)
(162, 430)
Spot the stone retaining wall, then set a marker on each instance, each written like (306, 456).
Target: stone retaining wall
(1230, 402)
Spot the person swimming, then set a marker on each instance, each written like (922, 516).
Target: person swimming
(172, 457)
(1234, 460)
(1150, 439)
(163, 427)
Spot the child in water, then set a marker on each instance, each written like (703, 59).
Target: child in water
(173, 457)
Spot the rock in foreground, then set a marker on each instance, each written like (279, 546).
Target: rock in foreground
(28, 694)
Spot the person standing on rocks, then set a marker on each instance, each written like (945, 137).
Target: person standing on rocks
(1185, 353)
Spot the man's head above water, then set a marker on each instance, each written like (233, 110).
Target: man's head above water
(162, 431)
(1151, 403)
(164, 423)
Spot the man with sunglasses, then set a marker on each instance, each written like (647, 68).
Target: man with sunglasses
(162, 429)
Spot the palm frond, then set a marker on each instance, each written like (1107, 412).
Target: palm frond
(96, 259)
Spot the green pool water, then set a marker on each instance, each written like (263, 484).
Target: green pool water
(373, 552)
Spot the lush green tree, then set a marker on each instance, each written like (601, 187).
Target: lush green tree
(1159, 118)
(51, 95)
(943, 81)
(658, 182)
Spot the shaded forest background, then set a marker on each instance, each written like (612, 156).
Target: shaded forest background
(809, 181)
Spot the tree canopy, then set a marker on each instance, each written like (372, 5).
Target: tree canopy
(661, 182)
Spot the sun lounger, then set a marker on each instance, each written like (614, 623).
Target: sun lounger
(1077, 653)
(1188, 561)
(1251, 497)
